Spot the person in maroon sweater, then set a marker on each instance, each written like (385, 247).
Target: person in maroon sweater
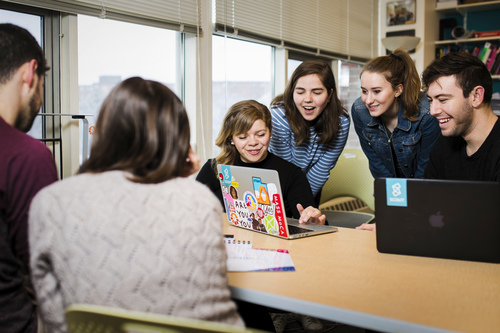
(26, 166)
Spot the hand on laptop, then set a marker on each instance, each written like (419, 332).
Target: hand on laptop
(311, 215)
(367, 226)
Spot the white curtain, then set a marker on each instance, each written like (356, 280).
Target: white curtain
(330, 27)
(181, 15)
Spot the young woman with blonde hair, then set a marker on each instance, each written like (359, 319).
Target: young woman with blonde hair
(392, 117)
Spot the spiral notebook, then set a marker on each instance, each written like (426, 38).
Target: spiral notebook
(253, 200)
(242, 257)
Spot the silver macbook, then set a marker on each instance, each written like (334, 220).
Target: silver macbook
(438, 218)
(253, 200)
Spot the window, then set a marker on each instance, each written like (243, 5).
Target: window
(110, 51)
(349, 90)
(241, 70)
(292, 66)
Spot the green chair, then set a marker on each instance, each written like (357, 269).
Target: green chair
(86, 318)
(350, 186)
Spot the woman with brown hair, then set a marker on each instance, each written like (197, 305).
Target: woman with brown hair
(392, 117)
(244, 139)
(130, 230)
(310, 124)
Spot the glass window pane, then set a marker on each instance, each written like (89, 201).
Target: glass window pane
(292, 66)
(32, 23)
(241, 70)
(110, 51)
(350, 90)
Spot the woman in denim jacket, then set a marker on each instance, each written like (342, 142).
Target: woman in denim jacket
(392, 118)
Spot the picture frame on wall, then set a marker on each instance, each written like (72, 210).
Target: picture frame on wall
(401, 12)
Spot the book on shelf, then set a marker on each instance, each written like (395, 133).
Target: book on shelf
(485, 52)
(484, 34)
(495, 68)
(447, 3)
(492, 57)
(489, 54)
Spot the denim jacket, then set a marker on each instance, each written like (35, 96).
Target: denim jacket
(412, 140)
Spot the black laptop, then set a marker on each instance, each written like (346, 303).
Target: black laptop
(438, 218)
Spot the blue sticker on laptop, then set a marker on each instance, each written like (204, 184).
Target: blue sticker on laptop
(396, 192)
(226, 174)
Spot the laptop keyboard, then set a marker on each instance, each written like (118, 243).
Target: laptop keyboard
(293, 230)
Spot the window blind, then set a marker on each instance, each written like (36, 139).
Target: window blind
(342, 28)
(180, 15)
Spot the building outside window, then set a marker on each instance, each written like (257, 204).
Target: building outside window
(241, 70)
(110, 51)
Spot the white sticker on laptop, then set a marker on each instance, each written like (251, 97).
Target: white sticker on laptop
(396, 192)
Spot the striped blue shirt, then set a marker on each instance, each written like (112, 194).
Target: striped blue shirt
(316, 160)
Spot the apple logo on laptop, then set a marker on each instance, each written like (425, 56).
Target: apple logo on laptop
(436, 220)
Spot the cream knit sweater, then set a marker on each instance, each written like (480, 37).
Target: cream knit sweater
(102, 239)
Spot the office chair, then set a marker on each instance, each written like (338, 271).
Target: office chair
(86, 318)
(350, 186)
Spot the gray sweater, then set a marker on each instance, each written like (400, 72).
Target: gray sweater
(102, 239)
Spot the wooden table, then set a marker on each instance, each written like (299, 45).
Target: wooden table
(342, 277)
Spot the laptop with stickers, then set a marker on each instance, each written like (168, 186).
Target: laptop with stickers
(253, 200)
(438, 218)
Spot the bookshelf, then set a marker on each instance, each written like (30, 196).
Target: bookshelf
(469, 8)
(472, 16)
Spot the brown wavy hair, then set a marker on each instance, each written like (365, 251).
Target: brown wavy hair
(399, 68)
(142, 128)
(238, 120)
(327, 125)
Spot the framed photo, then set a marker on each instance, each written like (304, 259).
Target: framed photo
(401, 12)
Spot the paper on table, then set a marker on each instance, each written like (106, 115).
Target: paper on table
(243, 258)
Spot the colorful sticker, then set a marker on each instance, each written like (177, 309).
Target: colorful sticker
(279, 215)
(261, 191)
(260, 213)
(250, 201)
(226, 175)
(231, 212)
(271, 224)
(396, 192)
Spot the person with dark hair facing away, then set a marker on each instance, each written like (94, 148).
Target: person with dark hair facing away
(131, 230)
(392, 119)
(26, 166)
(459, 88)
(310, 125)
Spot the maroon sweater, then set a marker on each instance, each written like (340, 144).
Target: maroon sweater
(26, 166)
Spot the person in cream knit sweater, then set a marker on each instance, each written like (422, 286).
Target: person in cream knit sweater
(131, 230)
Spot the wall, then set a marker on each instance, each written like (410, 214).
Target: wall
(426, 27)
